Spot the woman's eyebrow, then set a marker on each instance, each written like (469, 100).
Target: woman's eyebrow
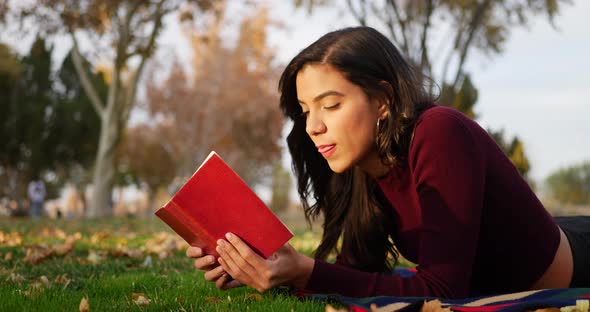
(323, 95)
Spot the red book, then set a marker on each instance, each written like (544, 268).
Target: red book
(215, 201)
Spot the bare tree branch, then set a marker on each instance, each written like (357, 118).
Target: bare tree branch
(425, 62)
(360, 16)
(478, 14)
(157, 20)
(99, 107)
(402, 24)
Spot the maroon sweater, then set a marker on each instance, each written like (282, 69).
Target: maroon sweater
(465, 216)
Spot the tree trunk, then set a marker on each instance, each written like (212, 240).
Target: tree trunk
(104, 169)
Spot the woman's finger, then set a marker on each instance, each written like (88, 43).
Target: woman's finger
(215, 274)
(194, 252)
(233, 256)
(244, 250)
(238, 267)
(231, 284)
(221, 280)
(205, 263)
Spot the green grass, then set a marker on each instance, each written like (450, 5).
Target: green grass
(98, 269)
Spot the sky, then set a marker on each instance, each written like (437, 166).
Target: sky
(538, 89)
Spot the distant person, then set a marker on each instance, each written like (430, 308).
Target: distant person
(394, 173)
(36, 192)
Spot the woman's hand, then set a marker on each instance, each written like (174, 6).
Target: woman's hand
(284, 267)
(213, 271)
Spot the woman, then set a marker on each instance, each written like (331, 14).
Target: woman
(385, 165)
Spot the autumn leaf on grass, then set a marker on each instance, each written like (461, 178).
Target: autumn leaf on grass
(11, 239)
(163, 244)
(94, 257)
(98, 237)
(41, 282)
(122, 251)
(63, 279)
(141, 299)
(16, 278)
(36, 254)
(330, 308)
(8, 256)
(254, 296)
(64, 248)
(84, 305)
(52, 232)
(211, 299)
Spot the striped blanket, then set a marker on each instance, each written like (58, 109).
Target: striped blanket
(521, 301)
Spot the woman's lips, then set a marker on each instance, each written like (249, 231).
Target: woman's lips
(327, 150)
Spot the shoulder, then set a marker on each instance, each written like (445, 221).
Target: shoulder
(442, 116)
(446, 124)
(443, 132)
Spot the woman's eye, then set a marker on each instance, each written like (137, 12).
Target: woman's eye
(304, 114)
(332, 107)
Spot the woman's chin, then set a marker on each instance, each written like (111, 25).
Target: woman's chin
(338, 167)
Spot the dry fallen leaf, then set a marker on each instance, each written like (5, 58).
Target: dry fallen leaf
(64, 248)
(254, 296)
(141, 299)
(63, 279)
(98, 237)
(43, 279)
(94, 257)
(8, 256)
(11, 239)
(434, 306)
(40, 282)
(121, 251)
(84, 305)
(32, 292)
(163, 244)
(16, 278)
(36, 254)
(212, 299)
(330, 308)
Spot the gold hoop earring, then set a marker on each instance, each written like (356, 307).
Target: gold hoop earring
(377, 130)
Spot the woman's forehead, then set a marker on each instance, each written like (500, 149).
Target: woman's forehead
(316, 79)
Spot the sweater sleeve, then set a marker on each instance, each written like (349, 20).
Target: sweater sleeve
(449, 172)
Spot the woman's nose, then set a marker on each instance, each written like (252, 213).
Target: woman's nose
(314, 125)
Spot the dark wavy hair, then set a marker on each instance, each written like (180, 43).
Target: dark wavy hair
(351, 202)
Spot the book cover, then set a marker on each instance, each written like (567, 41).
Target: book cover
(214, 201)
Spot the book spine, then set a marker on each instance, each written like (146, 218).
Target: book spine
(190, 231)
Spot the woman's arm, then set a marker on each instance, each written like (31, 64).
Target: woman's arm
(448, 170)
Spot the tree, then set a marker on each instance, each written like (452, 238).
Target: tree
(228, 104)
(24, 127)
(514, 151)
(571, 185)
(47, 122)
(123, 32)
(10, 73)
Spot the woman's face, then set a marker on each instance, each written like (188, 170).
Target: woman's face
(340, 118)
